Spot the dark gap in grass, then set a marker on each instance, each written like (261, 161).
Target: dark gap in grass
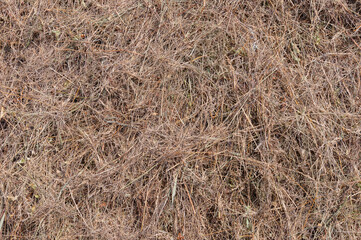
(3, 124)
(7, 51)
(88, 162)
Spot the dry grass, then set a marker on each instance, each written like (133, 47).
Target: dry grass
(180, 119)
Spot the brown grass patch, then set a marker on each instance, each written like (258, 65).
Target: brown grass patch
(180, 119)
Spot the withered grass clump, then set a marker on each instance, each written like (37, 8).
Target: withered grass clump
(176, 119)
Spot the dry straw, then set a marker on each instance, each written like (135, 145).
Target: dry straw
(180, 119)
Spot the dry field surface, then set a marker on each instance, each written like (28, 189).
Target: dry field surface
(180, 119)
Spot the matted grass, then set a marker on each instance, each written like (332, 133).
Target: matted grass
(180, 119)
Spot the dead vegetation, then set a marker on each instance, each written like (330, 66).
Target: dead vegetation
(180, 119)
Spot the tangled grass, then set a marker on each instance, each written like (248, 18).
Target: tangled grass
(176, 119)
